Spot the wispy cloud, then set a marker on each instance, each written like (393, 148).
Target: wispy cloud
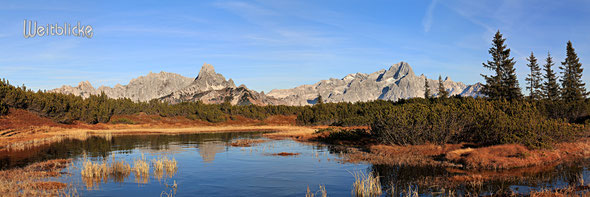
(427, 20)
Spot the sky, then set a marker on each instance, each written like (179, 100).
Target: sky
(275, 44)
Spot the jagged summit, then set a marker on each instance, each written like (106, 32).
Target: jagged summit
(399, 81)
(206, 69)
(211, 87)
(207, 80)
(142, 88)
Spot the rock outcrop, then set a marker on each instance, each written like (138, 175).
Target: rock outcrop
(143, 88)
(398, 82)
(212, 88)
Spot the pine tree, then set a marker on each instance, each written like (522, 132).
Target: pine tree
(572, 86)
(534, 78)
(426, 88)
(504, 84)
(442, 92)
(550, 86)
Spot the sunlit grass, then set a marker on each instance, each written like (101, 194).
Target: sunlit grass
(119, 170)
(366, 185)
(322, 192)
(164, 165)
(141, 169)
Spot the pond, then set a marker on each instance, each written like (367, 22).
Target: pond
(207, 165)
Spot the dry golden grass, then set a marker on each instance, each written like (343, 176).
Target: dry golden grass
(418, 155)
(93, 173)
(32, 180)
(581, 191)
(507, 156)
(141, 169)
(322, 192)
(366, 185)
(119, 170)
(510, 156)
(161, 165)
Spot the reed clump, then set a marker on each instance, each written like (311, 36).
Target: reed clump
(161, 165)
(94, 172)
(366, 185)
(141, 169)
(322, 192)
(119, 170)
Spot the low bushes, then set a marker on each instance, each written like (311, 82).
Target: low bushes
(3, 108)
(472, 120)
(122, 121)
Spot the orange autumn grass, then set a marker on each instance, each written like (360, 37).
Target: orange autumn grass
(33, 180)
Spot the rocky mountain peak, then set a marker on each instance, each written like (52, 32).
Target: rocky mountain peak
(206, 70)
(400, 70)
(85, 85)
(397, 82)
(208, 79)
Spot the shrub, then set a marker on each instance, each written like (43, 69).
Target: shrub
(472, 120)
(343, 135)
(3, 108)
(122, 121)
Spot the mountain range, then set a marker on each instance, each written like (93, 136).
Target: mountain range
(397, 82)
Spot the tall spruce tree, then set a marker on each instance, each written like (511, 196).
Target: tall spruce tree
(504, 84)
(442, 92)
(572, 86)
(426, 88)
(534, 78)
(550, 86)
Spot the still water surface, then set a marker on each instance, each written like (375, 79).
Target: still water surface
(209, 166)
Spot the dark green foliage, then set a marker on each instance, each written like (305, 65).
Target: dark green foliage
(472, 120)
(418, 123)
(442, 92)
(550, 86)
(3, 108)
(99, 108)
(426, 88)
(350, 135)
(572, 86)
(122, 121)
(504, 84)
(534, 78)
(343, 114)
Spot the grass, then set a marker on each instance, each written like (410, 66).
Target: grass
(119, 170)
(366, 185)
(141, 169)
(322, 192)
(568, 191)
(94, 172)
(33, 180)
(164, 164)
(100, 171)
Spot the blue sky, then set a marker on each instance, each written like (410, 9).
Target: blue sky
(282, 44)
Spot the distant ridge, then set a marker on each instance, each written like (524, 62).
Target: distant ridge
(397, 82)
(143, 88)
